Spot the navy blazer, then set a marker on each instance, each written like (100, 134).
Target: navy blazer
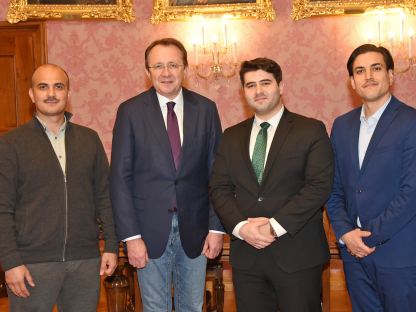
(383, 192)
(144, 181)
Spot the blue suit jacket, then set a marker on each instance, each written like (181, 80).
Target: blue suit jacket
(383, 192)
(144, 181)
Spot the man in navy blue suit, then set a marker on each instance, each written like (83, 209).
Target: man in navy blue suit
(163, 150)
(373, 203)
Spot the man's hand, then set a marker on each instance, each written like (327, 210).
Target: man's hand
(355, 245)
(109, 262)
(137, 252)
(212, 245)
(15, 280)
(257, 232)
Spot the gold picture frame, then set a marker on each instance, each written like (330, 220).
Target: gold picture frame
(22, 10)
(307, 8)
(174, 10)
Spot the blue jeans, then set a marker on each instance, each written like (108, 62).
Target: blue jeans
(173, 268)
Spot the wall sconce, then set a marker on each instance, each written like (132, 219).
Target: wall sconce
(214, 50)
(393, 34)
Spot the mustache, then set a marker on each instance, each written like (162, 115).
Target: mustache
(369, 82)
(51, 99)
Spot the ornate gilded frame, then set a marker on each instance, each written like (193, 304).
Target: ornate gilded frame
(308, 8)
(20, 10)
(165, 11)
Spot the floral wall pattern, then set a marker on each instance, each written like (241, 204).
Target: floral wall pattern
(105, 62)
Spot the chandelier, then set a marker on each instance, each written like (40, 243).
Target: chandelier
(395, 33)
(214, 50)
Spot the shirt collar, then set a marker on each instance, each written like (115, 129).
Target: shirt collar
(273, 121)
(45, 128)
(376, 116)
(163, 100)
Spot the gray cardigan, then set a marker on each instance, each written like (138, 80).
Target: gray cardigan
(44, 218)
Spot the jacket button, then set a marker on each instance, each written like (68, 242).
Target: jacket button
(260, 199)
(175, 182)
(359, 191)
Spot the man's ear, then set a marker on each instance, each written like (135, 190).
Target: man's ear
(391, 76)
(281, 87)
(352, 81)
(31, 95)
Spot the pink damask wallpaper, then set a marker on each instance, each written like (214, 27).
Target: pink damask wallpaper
(105, 62)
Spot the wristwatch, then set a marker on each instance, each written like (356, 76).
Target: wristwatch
(272, 231)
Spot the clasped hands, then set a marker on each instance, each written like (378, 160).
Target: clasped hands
(257, 232)
(355, 245)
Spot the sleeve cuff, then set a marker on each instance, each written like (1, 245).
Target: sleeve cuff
(277, 227)
(236, 231)
(131, 238)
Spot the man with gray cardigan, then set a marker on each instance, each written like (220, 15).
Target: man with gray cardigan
(53, 197)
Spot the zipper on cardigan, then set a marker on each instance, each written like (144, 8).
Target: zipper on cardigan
(66, 219)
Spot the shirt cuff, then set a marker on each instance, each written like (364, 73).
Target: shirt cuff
(278, 229)
(131, 238)
(236, 231)
(217, 232)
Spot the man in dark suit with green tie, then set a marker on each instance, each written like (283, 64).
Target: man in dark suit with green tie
(271, 176)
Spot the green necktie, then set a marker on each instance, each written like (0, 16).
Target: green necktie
(259, 153)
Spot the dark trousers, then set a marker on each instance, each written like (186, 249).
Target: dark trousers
(73, 285)
(266, 288)
(377, 289)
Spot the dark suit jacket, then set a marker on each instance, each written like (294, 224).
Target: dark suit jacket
(383, 192)
(297, 181)
(144, 181)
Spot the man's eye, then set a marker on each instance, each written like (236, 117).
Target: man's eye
(359, 71)
(60, 87)
(172, 66)
(377, 68)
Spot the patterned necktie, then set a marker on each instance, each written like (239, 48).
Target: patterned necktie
(173, 133)
(259, 153)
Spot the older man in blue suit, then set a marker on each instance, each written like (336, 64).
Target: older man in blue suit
(373, 203)
(163, 149)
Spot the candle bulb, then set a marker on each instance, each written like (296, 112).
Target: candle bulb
(203, 35)
(225, 34)
(215, 48)
(380, 17)
(402, 16)
(391, 41)
(196, 54)
(235, 50)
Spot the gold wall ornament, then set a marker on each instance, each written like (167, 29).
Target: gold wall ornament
(307, 8)
(22, 10)
(180, 10)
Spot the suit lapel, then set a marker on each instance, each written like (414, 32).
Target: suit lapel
(280, 136)
(157, 125)
(190, 122)
(383, 124)
(355, 130)
(245, 147)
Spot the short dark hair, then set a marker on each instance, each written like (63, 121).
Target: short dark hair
(365, 48)
(166, 42)
(261, 63)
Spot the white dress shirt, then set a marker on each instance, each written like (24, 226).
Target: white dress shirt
(274, 122)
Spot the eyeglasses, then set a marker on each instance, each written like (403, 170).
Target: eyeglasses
(171, 66)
